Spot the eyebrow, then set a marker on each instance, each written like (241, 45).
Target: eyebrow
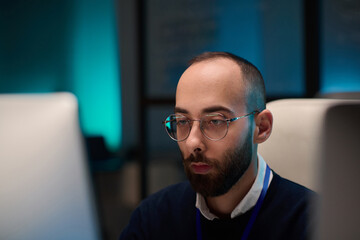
(206, 110)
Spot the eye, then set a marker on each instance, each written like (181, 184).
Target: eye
(181, 122)
(216, 122)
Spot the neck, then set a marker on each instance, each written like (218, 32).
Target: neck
(223, 205)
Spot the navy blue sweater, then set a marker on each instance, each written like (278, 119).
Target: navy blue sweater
(170, 214)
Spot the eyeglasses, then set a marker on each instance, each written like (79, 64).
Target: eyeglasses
(213, 126)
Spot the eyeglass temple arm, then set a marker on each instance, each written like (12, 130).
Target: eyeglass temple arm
(237, 118)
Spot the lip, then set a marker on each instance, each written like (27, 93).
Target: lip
(200, 168)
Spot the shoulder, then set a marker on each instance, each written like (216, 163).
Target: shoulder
(167, 202)
(289, 205)
(289, 190)
(177, 194)
(165, 212)
(289, 196)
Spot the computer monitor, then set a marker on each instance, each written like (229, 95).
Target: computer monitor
(45, 190)
(339, 204)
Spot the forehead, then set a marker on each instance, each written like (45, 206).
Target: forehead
(211, 83)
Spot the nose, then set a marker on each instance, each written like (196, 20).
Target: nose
(195, 141)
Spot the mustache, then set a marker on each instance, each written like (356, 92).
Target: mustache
(197, 158)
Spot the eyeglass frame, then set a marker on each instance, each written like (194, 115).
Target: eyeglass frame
(228, 121)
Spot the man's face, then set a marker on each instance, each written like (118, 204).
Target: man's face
(214, 86)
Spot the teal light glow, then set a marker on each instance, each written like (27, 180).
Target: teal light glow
(70, 45)
(96, 70)
(341, 82)
(340, 47)
(341, 72)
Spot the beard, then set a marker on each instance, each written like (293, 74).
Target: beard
(226, 172)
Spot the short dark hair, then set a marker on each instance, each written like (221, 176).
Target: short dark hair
(253, 80)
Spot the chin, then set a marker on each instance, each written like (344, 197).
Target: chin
(225, 172)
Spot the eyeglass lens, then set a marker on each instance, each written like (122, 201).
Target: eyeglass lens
(213, 126)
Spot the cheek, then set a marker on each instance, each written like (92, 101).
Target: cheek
(217, 149)
(233, 138)
(240, 133)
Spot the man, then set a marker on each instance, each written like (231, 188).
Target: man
(219, 120)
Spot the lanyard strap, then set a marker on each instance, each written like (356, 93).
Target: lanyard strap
(253, 215)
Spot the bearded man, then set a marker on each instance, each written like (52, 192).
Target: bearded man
(220, 118)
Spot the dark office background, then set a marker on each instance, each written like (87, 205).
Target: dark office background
(122, 59)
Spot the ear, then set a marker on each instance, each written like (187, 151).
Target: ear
(264, 123)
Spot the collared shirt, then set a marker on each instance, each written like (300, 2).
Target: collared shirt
(247, 202)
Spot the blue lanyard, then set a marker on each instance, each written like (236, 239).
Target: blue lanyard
(253, 215)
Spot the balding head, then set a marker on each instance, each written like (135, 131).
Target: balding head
(214, 82)
(251, 79)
